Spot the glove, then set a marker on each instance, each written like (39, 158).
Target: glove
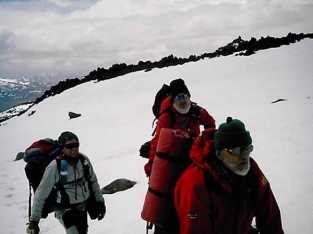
(32, 228)
(101, 210)
(145, 149)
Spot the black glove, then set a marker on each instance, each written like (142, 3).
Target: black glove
(32, 228)
(101, 210)
(144, 149)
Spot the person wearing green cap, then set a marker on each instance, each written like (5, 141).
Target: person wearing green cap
(76, 187)
(224, 189)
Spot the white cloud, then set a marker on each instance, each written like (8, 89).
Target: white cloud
(74, 37)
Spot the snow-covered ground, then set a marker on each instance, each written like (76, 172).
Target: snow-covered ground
(116, 120)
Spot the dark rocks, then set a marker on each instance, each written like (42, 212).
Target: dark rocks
(279, 100)
(240, 46)
(32, 112)
(73, 115)
(19, 156)
(117, 186)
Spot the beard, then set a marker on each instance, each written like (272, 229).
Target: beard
(182, 109)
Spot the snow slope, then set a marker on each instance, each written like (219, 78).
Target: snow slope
(116, 120)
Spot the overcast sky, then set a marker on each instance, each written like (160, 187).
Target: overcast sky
(69, 38)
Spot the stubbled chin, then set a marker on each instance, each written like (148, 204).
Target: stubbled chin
(72, 156)
(242, 169)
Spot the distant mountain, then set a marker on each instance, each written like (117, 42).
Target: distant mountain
(14, 111)
(12, 82)
(14, 92)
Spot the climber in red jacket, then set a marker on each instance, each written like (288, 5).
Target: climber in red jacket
(177, 111)
(224, 189)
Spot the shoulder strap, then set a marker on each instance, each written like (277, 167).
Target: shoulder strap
(65, 200)
(86, 171)
(86, 167)
(195, 110)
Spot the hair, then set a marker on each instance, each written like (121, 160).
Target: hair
(67, 136)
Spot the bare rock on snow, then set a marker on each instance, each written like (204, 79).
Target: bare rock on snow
(117, 186)
(32, 112)
(279, 100)
(73, 115)
(19, 156)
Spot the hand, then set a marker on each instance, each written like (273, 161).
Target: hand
(32, 228)
(101, 211)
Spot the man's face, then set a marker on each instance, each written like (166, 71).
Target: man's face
(71, 148)
(182, 103)
(237, 159)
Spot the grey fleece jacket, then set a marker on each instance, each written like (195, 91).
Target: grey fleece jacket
(76, 186)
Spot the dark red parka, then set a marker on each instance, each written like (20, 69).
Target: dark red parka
(170, 118)
(209, 199)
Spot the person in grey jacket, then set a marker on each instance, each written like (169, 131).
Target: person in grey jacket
(71, 202)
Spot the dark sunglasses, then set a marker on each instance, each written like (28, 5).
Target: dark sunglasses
(71, 146)
(181, 97)
(240, 151)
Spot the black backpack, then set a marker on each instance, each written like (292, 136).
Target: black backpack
(163, 92)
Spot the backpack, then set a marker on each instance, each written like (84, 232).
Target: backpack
(37, 157)
(163, 92)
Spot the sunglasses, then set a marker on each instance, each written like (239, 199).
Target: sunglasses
(240, 151)
(181, 97)
(71, 145)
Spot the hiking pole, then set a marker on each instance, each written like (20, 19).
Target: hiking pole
(148, 226)
(29, 202)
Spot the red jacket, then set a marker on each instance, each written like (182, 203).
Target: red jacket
(207, 202)
(170, 118)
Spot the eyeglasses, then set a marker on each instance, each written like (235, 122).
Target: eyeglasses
(240, 151)
(71, 145)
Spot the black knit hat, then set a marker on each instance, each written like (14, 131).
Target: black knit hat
(178, 86)
(232, 134)
(67, 136)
